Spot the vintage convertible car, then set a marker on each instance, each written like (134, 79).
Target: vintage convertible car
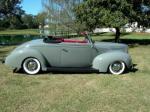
(54, 54)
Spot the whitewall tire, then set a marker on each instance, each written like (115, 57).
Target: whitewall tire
(117, 67)
(31, 66)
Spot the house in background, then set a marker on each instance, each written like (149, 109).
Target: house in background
(127, 28)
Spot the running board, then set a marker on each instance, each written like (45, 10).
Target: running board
(69, 69)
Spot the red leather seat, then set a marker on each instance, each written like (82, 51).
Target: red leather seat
(74, 41)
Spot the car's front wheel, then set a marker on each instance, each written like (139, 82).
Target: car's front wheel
(117, 67)
(31, 66)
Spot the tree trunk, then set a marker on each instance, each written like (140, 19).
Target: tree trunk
(117, 34)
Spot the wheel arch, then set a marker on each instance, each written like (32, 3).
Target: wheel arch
(32, 53)
(102, 61)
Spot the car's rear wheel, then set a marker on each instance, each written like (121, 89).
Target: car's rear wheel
(31, 66)
(117, 67)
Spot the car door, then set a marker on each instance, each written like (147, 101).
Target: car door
(52, 53)
(76, 55)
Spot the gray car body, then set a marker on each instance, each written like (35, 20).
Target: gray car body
(97, 55)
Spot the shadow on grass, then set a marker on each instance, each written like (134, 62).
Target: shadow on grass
(70, 73)
(61, 72)
(133, 70)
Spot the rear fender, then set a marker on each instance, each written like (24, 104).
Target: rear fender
(102, 61)
(36, 54)
(16, 59)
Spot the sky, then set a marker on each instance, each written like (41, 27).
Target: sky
(32, 6)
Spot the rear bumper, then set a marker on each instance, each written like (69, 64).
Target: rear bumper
(3, 61)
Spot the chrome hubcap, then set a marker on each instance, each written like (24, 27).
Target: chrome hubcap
(31, 65)
(116, 67)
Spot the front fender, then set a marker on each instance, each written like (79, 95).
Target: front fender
(102, 61)
(16, 58)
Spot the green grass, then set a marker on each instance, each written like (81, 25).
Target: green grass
(87, 92)
(135, 35)
(138, 36)
(20, 32)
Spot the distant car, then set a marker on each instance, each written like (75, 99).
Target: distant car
(53, 54)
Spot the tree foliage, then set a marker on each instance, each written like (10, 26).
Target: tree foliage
(29, 21)
(13, 17)
(41, 18)
(10, 13)
(111, 13)
(10, 7)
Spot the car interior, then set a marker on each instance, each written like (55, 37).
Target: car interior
(53, 39)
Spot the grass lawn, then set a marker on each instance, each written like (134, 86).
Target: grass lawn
(20, 32)
(137, 36)
(87, 92)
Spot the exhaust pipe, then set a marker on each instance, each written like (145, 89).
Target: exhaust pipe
(3, 61)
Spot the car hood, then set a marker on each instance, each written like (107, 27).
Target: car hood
(108, 46)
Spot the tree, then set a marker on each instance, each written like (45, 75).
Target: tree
(41, 18)
(29, 21)
(4, 23)
(111, 13)
(10, 9)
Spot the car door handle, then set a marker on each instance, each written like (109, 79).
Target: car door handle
(65, 50)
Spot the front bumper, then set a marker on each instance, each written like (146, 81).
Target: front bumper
(131, 67)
